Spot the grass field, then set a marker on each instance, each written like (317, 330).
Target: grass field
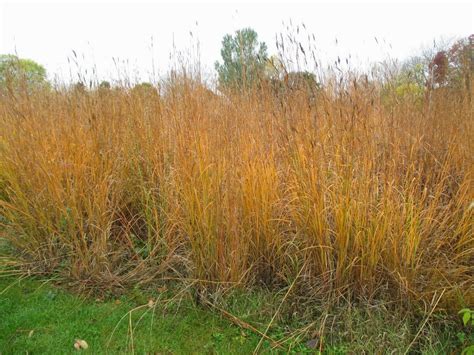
(40, 318)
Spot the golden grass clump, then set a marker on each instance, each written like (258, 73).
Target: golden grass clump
(347, 194)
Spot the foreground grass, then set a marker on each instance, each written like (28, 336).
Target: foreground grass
(38, 317)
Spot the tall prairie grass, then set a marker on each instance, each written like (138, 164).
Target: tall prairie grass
(342, 195)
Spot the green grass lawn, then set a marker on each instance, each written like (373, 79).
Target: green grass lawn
(37, 317)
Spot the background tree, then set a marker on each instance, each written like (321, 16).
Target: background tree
(244, 60)
(412, 77)
(144, 88)
(104, 85)
(452, 67)
(302, 84)
(79, 88)
(16, 73)
(446, 67)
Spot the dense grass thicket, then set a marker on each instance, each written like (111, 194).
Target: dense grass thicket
(356, 190)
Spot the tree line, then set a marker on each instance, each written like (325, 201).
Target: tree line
(245, 64)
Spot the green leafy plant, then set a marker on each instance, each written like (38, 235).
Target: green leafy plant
(468, 320)
(467, 315)
(469, 350)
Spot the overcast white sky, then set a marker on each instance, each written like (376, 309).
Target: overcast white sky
(48, 31)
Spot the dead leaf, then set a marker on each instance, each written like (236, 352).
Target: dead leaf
(312, 343)
(118, 301)
(151, 303)
(80, 344)
(162, 289)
